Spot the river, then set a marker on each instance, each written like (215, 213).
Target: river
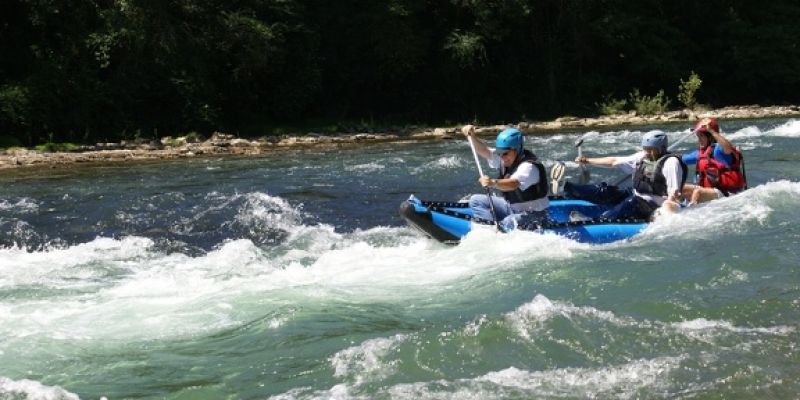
(291, 276)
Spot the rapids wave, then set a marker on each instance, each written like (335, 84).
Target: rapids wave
(258, 278)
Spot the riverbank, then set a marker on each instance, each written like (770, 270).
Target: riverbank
(226, 144)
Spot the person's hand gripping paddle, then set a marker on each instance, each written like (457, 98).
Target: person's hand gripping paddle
(585, 175)
(480, 172)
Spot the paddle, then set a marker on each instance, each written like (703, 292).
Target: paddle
(488, 191)
(669, 149)
(585, 175)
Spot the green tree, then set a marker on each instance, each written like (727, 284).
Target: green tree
(90, 70)
(687, 90)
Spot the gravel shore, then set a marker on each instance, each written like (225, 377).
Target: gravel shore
(225, 144)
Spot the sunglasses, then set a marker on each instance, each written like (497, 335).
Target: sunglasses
(505, 153)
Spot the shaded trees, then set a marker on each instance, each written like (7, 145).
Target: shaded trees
(86, 70)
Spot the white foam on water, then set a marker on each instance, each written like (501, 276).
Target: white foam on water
(276, 323)
(371, 362)
(728, 277)
(448, 162)
(126, 289)
(710, 330)
(789, 129)
(67, 267)
(366, 167)
(773, 189)
(739, 213)
(261, 212)
(473, 328)
(532, 316)
(517, 246)
(121, 290)
(621, 381)
(409, 266)
(367, 361)
(440, 164)
(32, 390)
(256, 211)
(745, 134)
(752, 137)
(24, 205)
(154, 297)
(337, 392)
(626, 138)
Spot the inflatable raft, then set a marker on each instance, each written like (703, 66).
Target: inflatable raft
(448, 222)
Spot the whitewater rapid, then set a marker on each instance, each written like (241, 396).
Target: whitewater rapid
(417, 319)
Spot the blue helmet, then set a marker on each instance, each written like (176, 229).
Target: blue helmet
(655, 139)
(510, 138)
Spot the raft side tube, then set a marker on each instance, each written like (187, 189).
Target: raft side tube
(423, 221)
(449, 222)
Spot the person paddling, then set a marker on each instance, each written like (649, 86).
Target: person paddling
(658, 177)
(719, 165)
(521, 180)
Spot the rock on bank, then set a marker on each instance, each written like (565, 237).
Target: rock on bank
(225, 144)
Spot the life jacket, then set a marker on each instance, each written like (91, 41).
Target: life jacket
(648, 177)
(533, 192)
(712, 173)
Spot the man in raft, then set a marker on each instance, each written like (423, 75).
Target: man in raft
(522, 181)
(658, 177)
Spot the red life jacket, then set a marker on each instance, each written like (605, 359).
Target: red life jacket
(712, 173)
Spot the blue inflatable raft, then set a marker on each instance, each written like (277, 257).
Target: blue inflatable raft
(448, 222)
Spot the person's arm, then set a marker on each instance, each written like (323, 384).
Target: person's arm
(690, 158)
(481, 147)
(610, 161)
(673, 172)
(721, 156)
(625, 163)
(524, 177)
(727, 147)
(503, 185)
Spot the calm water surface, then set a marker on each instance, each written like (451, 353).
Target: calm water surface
(292, 277)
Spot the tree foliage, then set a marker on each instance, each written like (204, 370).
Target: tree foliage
(91, 70)
(687, 90)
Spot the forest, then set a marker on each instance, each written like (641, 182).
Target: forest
(102, 70)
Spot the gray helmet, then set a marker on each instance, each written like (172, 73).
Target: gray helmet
(655, 139)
